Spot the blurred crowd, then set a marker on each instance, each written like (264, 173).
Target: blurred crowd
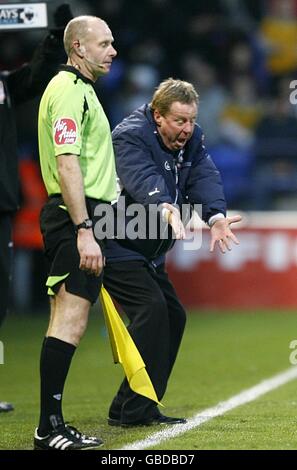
(241, 55)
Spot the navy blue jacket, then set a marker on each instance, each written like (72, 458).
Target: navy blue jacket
(152, 174)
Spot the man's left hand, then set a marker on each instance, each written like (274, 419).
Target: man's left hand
(222, 234)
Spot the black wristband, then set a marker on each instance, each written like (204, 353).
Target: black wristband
(87, 223)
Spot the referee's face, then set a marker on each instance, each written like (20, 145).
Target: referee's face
(99, 50)
(177, 126)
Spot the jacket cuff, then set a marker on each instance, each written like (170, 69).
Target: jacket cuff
(214, 218)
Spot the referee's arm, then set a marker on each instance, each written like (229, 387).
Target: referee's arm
(72, 188)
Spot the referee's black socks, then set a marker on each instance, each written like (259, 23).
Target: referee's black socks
(55, 359)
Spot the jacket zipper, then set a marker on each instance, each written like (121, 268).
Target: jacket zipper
(177, 163)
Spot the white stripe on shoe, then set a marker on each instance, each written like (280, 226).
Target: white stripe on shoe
(55, 440)
(61, 442)
(67, 444)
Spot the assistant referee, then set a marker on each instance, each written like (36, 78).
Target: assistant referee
(78, 170)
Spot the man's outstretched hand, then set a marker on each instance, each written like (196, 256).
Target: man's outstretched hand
(222, 234)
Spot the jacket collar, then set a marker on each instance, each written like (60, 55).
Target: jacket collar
(150, 117)
(149, 114)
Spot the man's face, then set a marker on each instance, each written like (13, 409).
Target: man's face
(177, 126)
(98, 48)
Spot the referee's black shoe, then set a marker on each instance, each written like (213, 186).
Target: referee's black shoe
(5, 407)
(156, 420)
(65, 437)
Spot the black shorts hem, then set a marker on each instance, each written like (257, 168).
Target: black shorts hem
(78, 292)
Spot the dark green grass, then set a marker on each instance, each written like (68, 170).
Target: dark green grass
(221, 355)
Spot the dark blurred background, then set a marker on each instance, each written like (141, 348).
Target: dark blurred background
(241, 55)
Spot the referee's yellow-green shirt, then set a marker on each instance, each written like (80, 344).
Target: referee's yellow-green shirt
(71, 120)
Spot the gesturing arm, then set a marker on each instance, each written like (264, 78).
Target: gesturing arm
(205, 187)
(72, 189)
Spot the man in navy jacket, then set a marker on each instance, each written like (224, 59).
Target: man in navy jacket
(161, 162)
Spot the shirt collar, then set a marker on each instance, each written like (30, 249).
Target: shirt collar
(71, 69)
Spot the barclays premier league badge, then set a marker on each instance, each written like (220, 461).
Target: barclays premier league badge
(23, 16)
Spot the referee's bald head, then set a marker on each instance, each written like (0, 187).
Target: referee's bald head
(79, 28)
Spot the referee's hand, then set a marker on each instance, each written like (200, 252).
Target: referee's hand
(91, 259)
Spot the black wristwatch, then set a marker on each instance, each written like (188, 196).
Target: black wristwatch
(87, 223)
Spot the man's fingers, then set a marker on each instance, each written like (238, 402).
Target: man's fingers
(183, 233)
(226, 242)
(178, 229)
(95, 266)
(91, 259)
(175, 221)
(88, 264)
(212, 244)
(178, 236)
(234, 218)
(92, 264)
(101, 265)
(168, 206)
(222, 246)
(174, 211)
(82, 263)
(234, 238)
(222, 234)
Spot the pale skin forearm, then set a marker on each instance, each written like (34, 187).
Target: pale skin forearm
(72, 189)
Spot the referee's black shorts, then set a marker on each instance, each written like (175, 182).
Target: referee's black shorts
(60, 248)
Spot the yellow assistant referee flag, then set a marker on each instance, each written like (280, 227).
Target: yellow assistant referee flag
(124, 350)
